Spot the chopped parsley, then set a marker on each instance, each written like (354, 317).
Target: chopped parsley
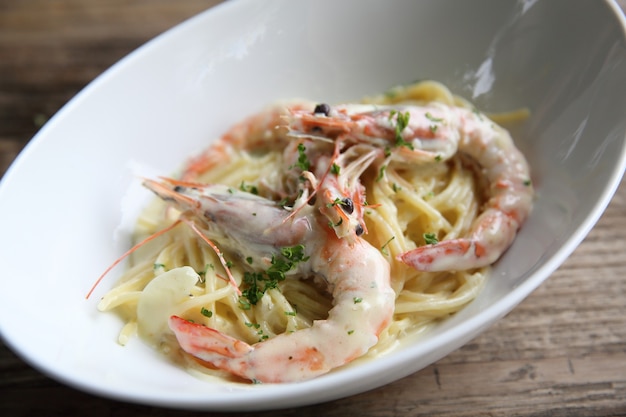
(434, 127)
(259, 332)
(252, 189)
(303, 161)
(294, 253)
(402, 121)
(381, 173)
(383, 248)
(333, 225)
(257, 283)
(345, 203)
(244, 304)
(334, 202)
(430, 238)
(334, 169)
(254, 290)
(433, 118)
(203, 273)
(206, 313)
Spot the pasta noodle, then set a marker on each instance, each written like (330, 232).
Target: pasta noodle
(406, 203)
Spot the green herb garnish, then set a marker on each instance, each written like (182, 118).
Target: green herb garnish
(303, 162)
(244, 304)
(433, 128)
(430, 238)
(252, 189)
(433, 118)
(383, 248)
(257, 283)
(402, 121)
(381, 173)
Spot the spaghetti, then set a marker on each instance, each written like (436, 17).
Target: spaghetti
(407, 206)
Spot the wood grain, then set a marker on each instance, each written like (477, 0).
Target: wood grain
(561, 352)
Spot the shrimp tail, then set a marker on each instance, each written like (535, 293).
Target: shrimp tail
(492, 234)
(206, 343)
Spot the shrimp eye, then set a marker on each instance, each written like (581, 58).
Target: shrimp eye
(179, 189)
(322, 108)
(358, 230)
(347, 205)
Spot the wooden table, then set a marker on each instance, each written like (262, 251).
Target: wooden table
(562, 352)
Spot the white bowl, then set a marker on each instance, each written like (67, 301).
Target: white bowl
(69, 200)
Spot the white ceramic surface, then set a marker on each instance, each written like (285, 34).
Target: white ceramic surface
(68, 202)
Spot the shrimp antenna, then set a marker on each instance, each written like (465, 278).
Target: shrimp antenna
(217, 251)
(128, 252)
(153, 236)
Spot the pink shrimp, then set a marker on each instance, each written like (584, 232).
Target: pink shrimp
(258, 131)
(406, 133)
(509, 201)
(432, 133)
(357, 275)
(335, 181)
(216, 206)
(342, 196)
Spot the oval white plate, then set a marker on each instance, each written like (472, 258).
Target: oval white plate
(69, 200)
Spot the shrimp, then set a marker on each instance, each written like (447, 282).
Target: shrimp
(357, 275)
(216, 207)
(361, 135)
(510, 198)
(433, 133)
(258, 131)
(407, 133)
(335, 178)
(334, 172)
(342, 195)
